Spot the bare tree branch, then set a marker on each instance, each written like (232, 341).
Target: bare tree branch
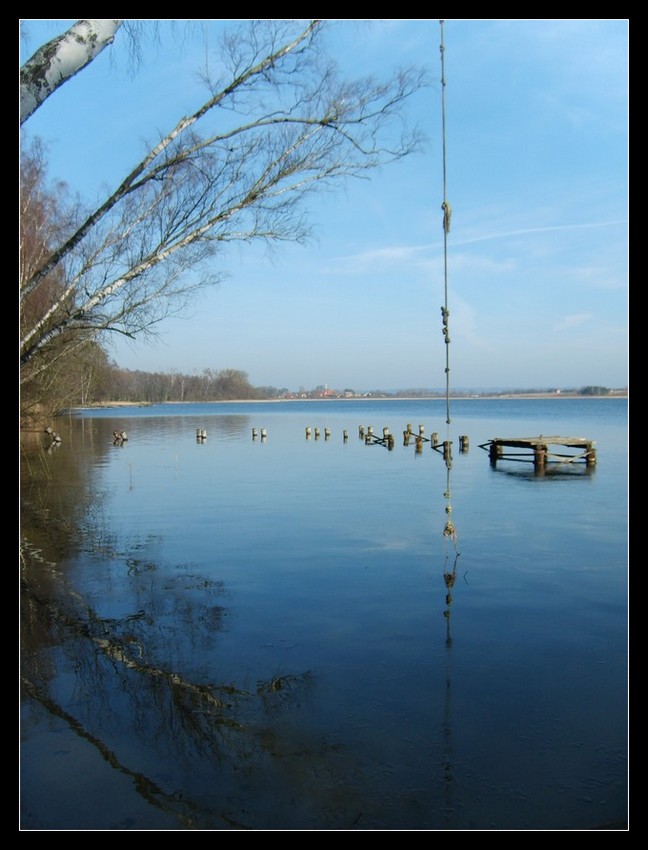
(276, 126)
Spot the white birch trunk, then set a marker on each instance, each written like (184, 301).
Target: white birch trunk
(60, 59)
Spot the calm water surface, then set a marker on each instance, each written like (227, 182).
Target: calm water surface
(274, 633)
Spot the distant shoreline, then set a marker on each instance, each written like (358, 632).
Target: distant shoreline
(485, 397)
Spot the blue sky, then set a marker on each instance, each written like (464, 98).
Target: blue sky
(537, 175)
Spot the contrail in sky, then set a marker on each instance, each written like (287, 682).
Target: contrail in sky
(538, 230)
(403, 252)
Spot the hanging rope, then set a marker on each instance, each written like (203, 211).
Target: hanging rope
(447, 216)
(449, 531)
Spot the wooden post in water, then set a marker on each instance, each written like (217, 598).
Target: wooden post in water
(463, 443)
(494, 452)
(590, 455)
(345, 436)
(308, 433)
(539, 456)
(327, 433)
(435, 439)
(263, 434)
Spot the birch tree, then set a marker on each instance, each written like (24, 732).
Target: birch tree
(60, 59)
(275, 125)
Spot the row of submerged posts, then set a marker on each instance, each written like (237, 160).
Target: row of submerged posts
(387, 439)
(365, 433)
(418, 438)
(317, 433)
(370, 437)
(201, 434)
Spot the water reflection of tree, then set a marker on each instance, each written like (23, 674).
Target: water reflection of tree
(124, 685)
(56, 493)
(139, 692)
(148, 789)
(56, 490)
(120, 691)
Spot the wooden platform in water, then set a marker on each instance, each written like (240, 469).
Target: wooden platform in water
(539, 449)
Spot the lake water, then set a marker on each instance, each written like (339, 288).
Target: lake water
(274, 633)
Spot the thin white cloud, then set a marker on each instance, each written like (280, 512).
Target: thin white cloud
(529, 230)
(568, 323)
(408, 253)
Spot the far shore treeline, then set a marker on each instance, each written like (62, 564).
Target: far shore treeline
(135, 386)
(103, 383)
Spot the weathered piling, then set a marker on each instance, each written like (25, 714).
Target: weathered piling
(495, 452)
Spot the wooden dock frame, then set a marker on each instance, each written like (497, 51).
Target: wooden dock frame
(538, 450)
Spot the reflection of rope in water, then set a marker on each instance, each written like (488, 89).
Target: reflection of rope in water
(447, 753)
(449, 530)
(449, 579)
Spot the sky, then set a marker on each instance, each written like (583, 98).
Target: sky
(536, 141)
